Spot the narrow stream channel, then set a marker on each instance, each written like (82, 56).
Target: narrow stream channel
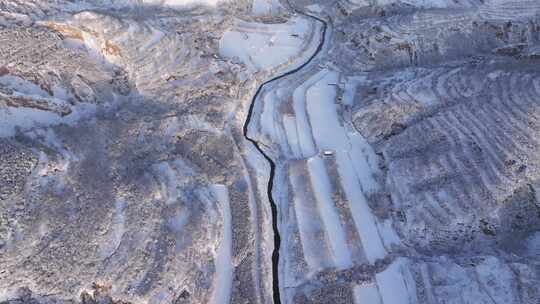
(274, 208)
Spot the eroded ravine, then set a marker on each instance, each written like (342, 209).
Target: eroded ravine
(273, 206)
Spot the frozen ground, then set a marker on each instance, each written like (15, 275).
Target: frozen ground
(205, 151)
(268, 46)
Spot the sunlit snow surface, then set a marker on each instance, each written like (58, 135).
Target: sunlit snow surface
(42, 108)
(13, 119)
(224, 263)
(418, 3)
(264, 47)
(180, 3)
(266, 7)
(405, 152)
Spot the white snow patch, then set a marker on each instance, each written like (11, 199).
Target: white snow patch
(365, 162)
(170, 3)
(269, 118)
(308, 225)
(265, 47)
(351, 83)
(396, 284)
(364, 220)
(416, 3)
(289, 123)
(327, 131)
(172, 178)
(21, 85)
(305, 137)
(388, 234)
(495, 277)
(57, 171)
(327, 209)
(167, 177)
(315, 8)
(28, 118)
(224, 268)
(431, 3)
(479, 285)
(422, 92)
(269, 115)
(366, 294)
(266, 7)
(24, 118)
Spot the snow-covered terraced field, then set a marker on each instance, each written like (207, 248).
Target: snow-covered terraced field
(268, 47)
(269, 151)
(410, 156)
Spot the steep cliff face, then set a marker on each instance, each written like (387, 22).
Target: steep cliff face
(270, 151)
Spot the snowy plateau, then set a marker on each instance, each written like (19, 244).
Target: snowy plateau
(269, 151)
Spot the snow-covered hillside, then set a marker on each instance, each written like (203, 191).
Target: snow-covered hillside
(269, 151)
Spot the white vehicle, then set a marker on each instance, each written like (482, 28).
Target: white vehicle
(328, 152)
